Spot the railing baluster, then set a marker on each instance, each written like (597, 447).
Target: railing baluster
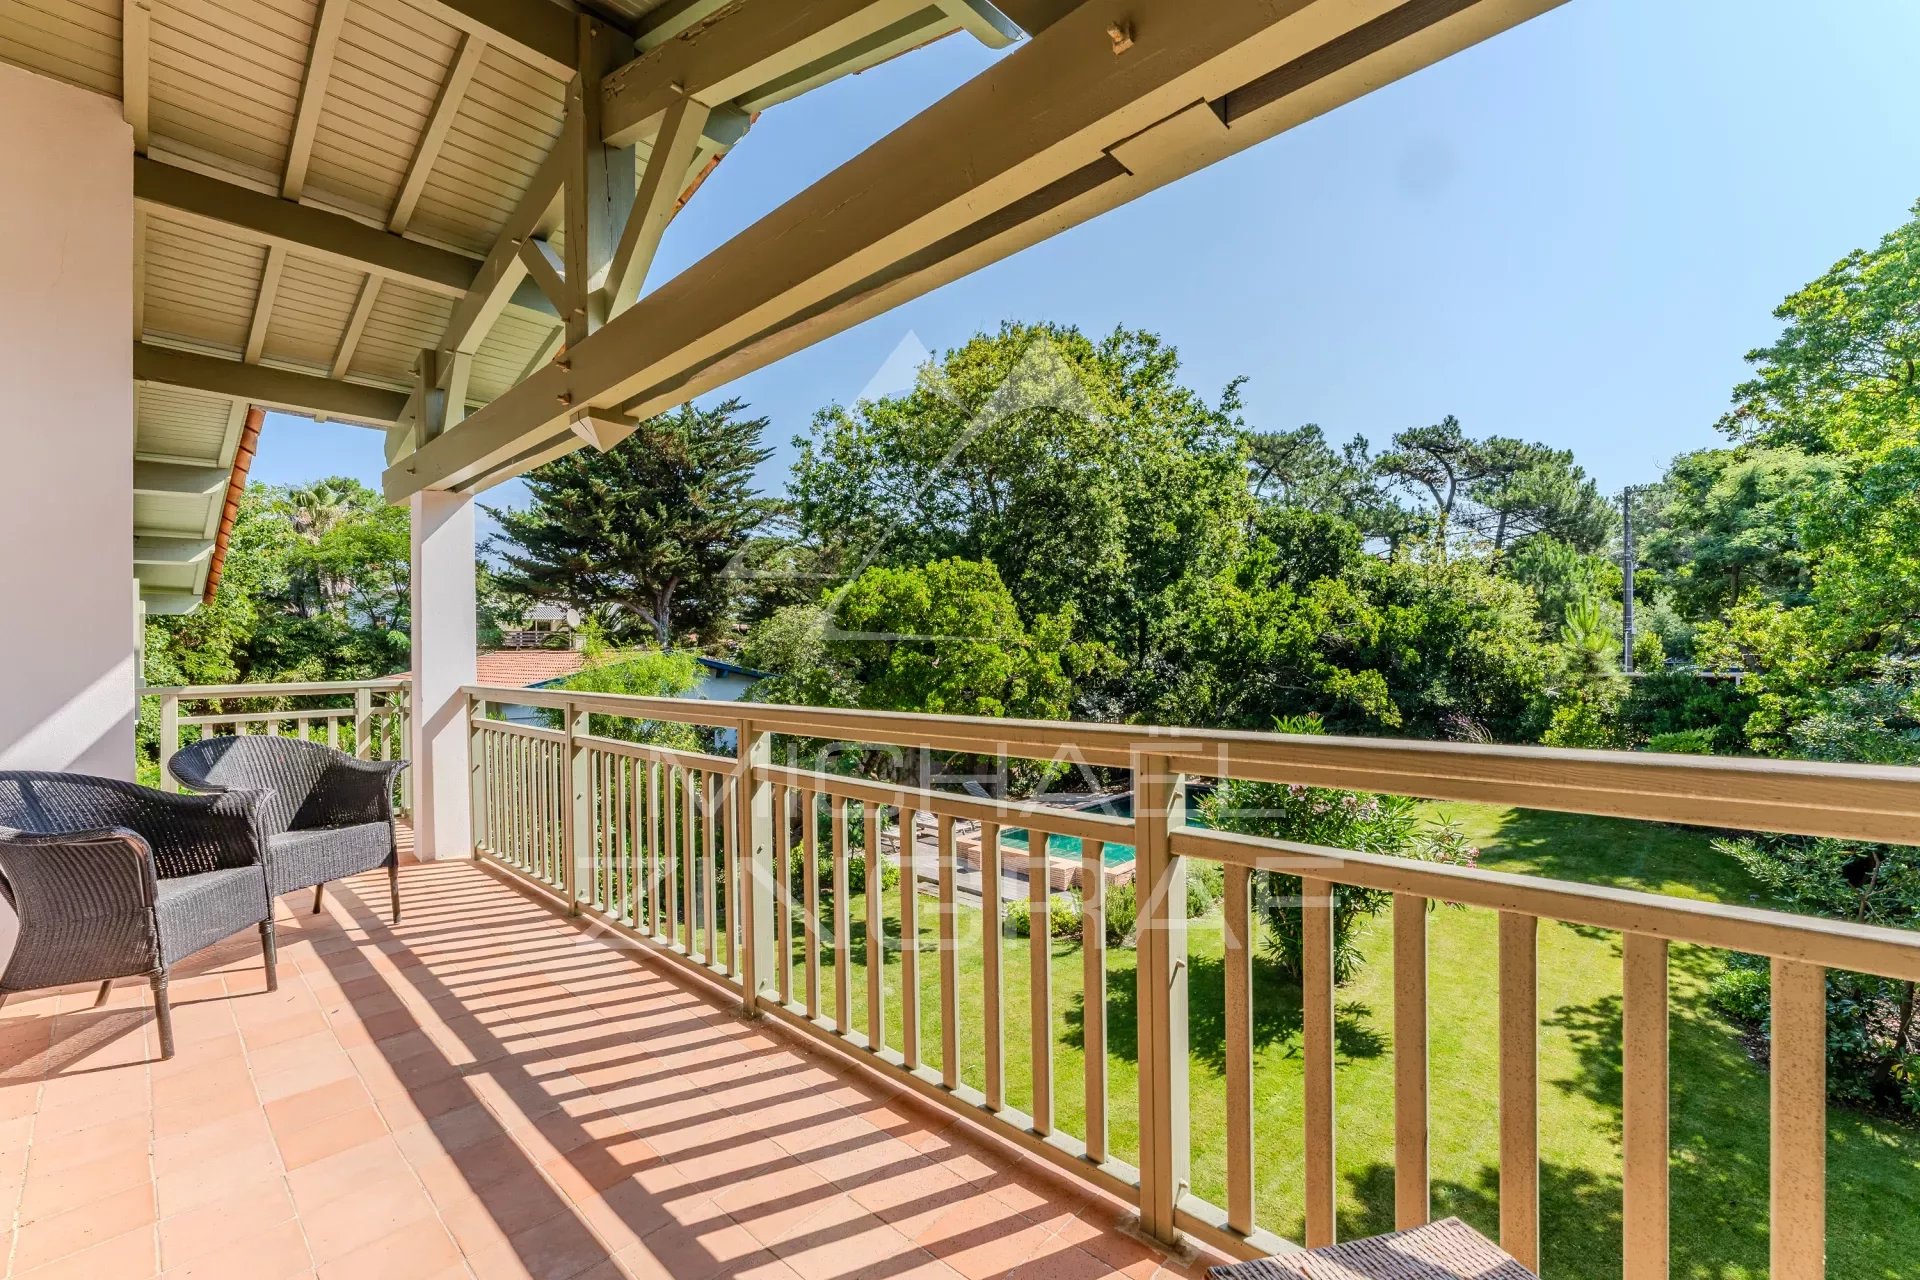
(810, 896)
(604, 872)
(1798, 1071)
(733, 837)
(1643, 1119)
(710, 865)
(669, 856)
(1093, 1000)
(169, 737)
(993, 1047)
(904, 845)
(1040, 979)
(1237, 926)
(1317, 1052)
(783, 892)
(1412, 1197)
(944, 854)
(876, 931)
(690, 856)
(630, 842)
(842, 920)
(1520, 1088)
(1160, 811)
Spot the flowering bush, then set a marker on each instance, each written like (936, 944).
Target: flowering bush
(1359, 822)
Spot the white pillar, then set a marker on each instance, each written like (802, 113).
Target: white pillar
(67, 675)
(444, 607)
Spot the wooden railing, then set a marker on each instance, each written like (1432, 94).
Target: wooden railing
(688, 852)
(365, 718)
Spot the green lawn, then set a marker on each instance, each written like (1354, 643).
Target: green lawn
(1719, 1124)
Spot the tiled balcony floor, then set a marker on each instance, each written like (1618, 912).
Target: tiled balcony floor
(488, 1091)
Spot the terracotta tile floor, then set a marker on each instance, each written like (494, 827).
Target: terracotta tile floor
(487, 1091)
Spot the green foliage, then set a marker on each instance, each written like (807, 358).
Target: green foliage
(1586, 705)
(1683, 742)
(944, 637)
(645, 532)
(1559, 577)
(823, 870)
(1206, 885)
(315, 587)
(647, 674)
(1728, 525)
(1662, 702)
(1063, 917)
(1083, 471)
(1355, 821)
(1122, 911)
(1872, 1034)
(1304, 622)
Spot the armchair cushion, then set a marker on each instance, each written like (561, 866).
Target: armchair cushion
(302, 859)
(197, 911)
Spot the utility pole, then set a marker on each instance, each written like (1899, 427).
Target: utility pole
(1626, 567)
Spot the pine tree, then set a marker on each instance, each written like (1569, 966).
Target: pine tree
(644, 533)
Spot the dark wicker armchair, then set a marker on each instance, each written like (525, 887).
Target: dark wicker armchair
(329, 815)
(111, 880)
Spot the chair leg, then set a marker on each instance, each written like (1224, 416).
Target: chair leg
(106, 989)
(163, 1013)
(393, 889)
(270, 954)
(318, 891)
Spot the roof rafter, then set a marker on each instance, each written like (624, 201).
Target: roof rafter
(263, 301)
(453, 90)
(538, 33)
(278, 388)
(1051, 135)
(735, 51)
(136, 45)
(327, 25)
(356, 325)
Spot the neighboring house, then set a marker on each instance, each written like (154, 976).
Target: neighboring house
(548, 626)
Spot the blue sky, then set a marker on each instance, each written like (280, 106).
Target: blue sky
(1570, 233)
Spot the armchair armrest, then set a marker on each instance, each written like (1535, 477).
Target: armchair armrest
(351, 791)
(189, 834)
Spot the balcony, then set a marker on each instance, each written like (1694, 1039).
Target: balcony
(609, 1040)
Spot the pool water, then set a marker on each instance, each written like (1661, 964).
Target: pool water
(1068, 847)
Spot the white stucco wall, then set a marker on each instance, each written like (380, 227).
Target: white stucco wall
(66, 429)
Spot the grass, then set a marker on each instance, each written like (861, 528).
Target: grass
(1719, 1102)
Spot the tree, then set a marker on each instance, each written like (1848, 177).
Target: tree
(1440, 461)
(1728, 525)
(1559, 577)
(946, 638)
(1848, 351)
(646, 530)
(1299, 468)
(1081, 470)
(1527, 490)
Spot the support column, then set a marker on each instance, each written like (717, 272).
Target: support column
(67, 653)
(444, 607)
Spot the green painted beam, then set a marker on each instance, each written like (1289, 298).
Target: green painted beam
(275, 388)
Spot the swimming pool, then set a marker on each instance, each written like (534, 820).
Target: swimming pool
(1068, 847)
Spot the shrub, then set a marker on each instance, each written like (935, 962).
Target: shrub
(1063, 917)
(1122, 909)
(1339, 819)
(1685, 742)
(1206, 885)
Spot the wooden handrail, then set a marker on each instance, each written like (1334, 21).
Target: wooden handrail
(1847, 801)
